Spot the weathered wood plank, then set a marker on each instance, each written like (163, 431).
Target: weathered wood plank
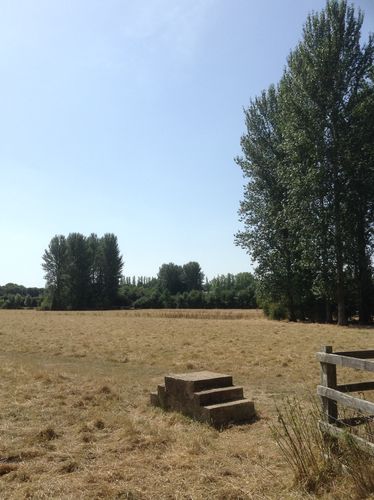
(353, 421)
(337, 432)
(328, 379)
(345, 400)
(357, 387)
(368, 354)
(335, 359)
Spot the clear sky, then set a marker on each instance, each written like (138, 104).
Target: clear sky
(125, 116)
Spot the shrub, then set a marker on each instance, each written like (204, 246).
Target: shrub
(316, 459)
(302, 444)
(274, 310)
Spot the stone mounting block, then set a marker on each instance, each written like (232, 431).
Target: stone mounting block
(205, 396)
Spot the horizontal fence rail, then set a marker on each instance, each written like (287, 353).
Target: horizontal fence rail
(345, 400)
(344, 360)
(356, 354)
(339, 433)
(358, 387)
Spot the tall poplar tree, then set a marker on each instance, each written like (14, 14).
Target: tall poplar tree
(360, 199)
(308, 157)
(78, 271)
(83, 272)
(112, 264)
(96, 271)
(192, 276)
(55, 266)
(268, 235)
(323, 91)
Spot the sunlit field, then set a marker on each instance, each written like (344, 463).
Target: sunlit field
(75, 419)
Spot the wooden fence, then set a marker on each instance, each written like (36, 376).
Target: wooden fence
(333, 394)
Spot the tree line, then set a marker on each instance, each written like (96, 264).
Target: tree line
(308, 160)
(186, 287)
(13, 296)
(85, 272)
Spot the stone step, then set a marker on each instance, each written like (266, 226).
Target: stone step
(219, 395)
(205, 396)
(162, 397)
(159, 398)
(154, 399)
(184, 385)
(232, 412)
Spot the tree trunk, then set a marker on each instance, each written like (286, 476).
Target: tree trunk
(364, 275)
(340, 293)
(340, 288)
(328, 312)
(290, 287)
(291, 312)
(364, 306)
(364, 293)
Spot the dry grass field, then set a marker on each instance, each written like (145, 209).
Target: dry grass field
(75, 419)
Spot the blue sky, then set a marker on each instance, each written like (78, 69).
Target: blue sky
(125, 116)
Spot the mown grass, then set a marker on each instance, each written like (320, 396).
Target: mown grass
(75, 419)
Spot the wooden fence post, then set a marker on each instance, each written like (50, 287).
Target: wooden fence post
(328, 379)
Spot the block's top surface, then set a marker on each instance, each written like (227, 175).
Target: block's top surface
(196, 376)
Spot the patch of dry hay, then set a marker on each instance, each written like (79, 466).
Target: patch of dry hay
(75, 421)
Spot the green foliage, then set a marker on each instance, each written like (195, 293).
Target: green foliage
(192, 276)
(150, 300)
(55, 266)
(171, 290)
(170, 277)
(274, 311)
(77, 271)
(112, 265)
(82, 272)
(308, 155)
(13, 296)
(178, 279)
(46, 303)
